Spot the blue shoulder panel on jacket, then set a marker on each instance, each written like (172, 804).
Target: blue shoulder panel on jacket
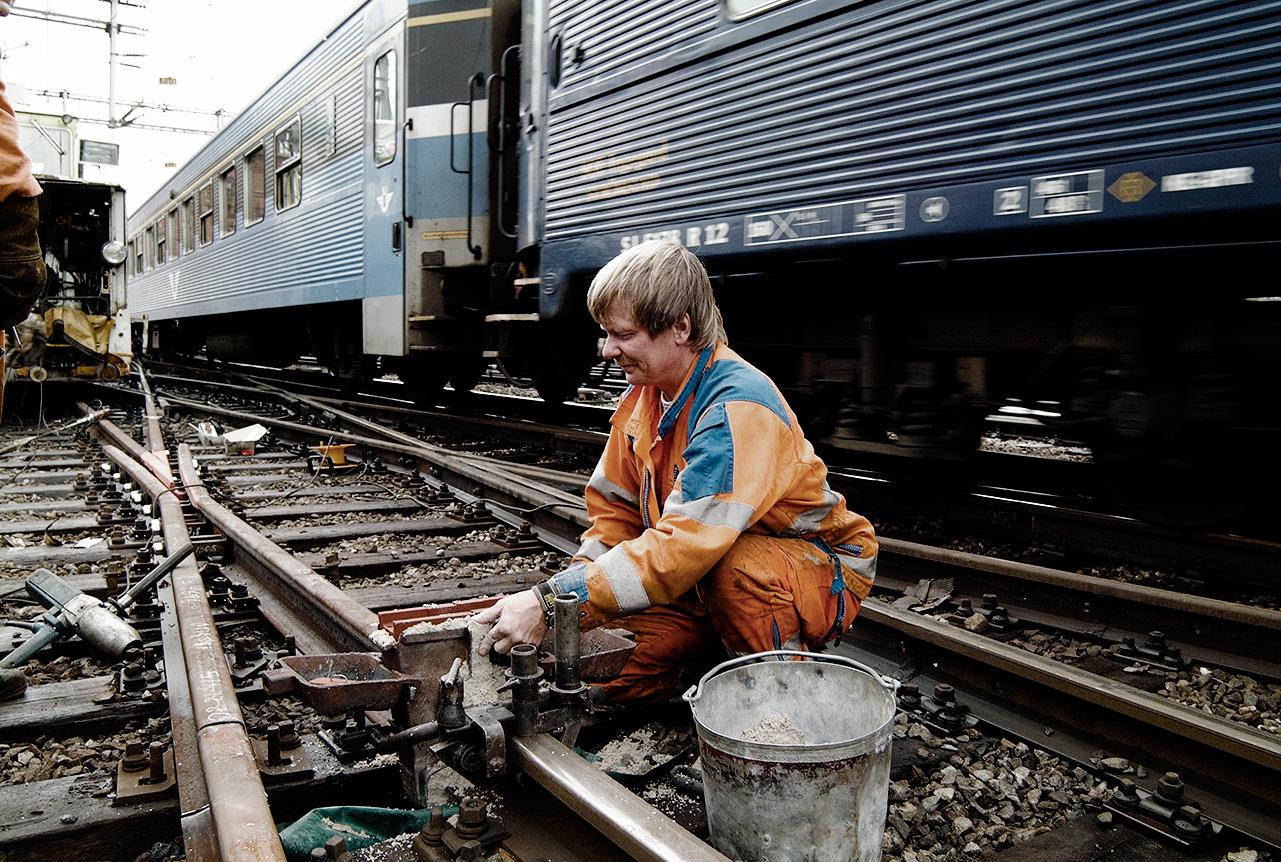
(729, 381)
(709, 458)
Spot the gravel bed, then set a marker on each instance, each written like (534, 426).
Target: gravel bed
(449, 569)
(54, 540)
(1231, 696)
(21, 571)
(322, 499)
(24, 762)
(984, 794)
(47, 757)
(63, 668)
(387, 543)
(262, 713)
(994, 441)
(344, 518)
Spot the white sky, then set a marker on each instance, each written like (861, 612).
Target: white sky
(223, 53)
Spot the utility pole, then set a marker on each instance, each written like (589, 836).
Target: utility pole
(112, 29)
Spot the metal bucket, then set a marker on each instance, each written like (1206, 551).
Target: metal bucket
(820, 799)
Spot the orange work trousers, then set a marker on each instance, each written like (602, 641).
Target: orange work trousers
(766, 593)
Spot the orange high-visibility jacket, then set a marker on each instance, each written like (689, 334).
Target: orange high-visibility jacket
(672, 493)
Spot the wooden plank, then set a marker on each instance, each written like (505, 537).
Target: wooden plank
(53, 524)
(332, 532)
(69, 706)
(270, 513)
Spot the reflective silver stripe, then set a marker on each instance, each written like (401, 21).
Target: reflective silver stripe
(864, 567)
(624, 580)
(601, 484)
(710, 511)
(807, 523)
(592, 548)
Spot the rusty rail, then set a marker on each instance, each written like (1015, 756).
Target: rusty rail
(225, 814)
(154, 461)
(302, 588)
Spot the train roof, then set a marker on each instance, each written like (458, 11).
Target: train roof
(162, 193)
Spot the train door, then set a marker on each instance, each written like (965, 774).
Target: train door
(384, 302)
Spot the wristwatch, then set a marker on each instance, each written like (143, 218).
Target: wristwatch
(547, 601)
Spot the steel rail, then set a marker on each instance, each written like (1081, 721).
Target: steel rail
(1209, 630)
(155, 461)
(512, 492)
(636, 827)
(302, 588)
(153, 437)
(1237, 767)
(233, 801)
(1011, 514)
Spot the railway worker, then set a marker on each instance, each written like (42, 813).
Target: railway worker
(22, 271)
(28, 349)
(712, 523)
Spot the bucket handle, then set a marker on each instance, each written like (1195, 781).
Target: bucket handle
(696, 691)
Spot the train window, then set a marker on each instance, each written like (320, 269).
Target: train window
(189, 225)
(204, 200)
(150, 246)
(739, 9)
(227, 194)
(385, 108)
(165, 228)
(289, 165)
(133, 266)
(255, 186)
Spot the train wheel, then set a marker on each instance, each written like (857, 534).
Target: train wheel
(1193, 483)
(1182, 447)
(425, 378)
(567, 361)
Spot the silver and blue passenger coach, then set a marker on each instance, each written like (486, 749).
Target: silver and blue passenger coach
(913, 212)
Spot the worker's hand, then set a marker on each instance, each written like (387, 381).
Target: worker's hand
(519, 621)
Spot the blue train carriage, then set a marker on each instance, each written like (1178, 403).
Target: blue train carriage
(79, 329)
(915, 211)
(345, 214)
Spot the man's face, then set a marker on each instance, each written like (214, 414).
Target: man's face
(660, 360)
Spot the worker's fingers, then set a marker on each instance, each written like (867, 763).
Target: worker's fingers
(489, 614)
(504, 646)
(487, 642)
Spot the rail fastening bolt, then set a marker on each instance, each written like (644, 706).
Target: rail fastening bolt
(135, 759)
(273, 745)
(472, 820)
(157, 752)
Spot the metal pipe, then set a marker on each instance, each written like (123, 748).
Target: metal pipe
(126, 599)
(569, 645)
(309, 589)
(242, 819)
(638, 829)
(409, 736)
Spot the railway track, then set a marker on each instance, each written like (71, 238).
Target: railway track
(291, 559)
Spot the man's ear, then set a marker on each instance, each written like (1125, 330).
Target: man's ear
(682, 328)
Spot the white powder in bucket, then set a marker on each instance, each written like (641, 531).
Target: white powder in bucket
(777, 729)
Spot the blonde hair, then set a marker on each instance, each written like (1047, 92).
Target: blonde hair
(657, 283)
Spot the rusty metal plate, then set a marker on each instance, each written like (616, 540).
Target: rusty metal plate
(338, 682)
